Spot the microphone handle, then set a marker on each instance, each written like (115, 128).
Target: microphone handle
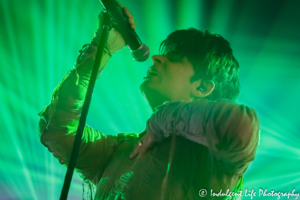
(131, 39)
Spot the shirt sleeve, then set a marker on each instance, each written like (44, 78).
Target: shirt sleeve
(230, 131)
(59, 121)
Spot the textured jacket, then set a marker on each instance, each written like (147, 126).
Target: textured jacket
(204, 150)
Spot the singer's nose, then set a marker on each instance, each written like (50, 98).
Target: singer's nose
(158, 59)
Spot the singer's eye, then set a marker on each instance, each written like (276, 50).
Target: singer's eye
(173, 57)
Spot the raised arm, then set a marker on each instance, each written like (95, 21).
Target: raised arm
(230, 131)
(59, 120)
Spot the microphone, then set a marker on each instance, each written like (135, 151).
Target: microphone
(139, 51)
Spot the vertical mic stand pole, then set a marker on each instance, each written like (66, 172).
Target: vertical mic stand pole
(75, 150)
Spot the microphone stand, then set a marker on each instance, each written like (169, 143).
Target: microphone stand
(75, 150)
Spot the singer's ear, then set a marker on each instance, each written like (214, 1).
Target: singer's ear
(202, 88)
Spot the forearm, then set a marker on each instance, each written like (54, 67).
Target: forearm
(195, 118)
(177, 117)
(68, 97)
(229, 131)
(59, 120)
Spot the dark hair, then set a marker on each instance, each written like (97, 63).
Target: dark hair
(211, 57)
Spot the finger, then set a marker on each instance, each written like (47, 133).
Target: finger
(120, 4)
(130, 18)
(142, 151)
(131, 22)
(127, 13)
(149, 142)
(133, 26)
(135, 152)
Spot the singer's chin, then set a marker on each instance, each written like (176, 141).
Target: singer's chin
(152, 95)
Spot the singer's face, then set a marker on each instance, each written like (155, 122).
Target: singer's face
(168, 80)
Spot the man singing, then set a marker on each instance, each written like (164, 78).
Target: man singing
(197, 144)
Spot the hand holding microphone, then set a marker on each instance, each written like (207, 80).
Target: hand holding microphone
(122, 32)
(115, 39)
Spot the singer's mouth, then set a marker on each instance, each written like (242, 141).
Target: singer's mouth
(151, 72)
